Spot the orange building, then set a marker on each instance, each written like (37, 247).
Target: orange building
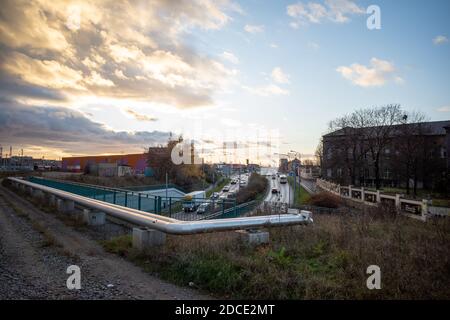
(138, 162)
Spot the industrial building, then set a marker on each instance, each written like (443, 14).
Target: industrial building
(108, 164)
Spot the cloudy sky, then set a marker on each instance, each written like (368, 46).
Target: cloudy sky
(93, 77)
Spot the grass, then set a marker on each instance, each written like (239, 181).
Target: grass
(219, 187)
(421, 193)
(301, 196)
(327, 260)
(441, 203)
(48, 239)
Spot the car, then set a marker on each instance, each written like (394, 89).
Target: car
(231, 195)
(192, 200)
(226, 189)
(203, 208)
(215, 195)
(233, 181)
(242, 183)
(274, 177)
(223, 197)
(274, 190)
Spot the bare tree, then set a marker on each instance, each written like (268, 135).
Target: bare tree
(351, 148)
(411, 149)
(380, 127)
(319, 155)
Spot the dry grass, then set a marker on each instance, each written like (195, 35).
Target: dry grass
(325, 199)
(327, 260)
(48, 239)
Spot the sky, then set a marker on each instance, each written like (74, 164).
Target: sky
(243, 79)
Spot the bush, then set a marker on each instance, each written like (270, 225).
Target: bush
(325, 199)
(257, 184)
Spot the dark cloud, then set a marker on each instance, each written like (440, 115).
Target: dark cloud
(16, 88)
(66, 130)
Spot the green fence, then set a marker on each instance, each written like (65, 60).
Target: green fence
(167, 206)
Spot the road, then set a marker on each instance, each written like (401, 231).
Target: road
(233, 188)
(285, 194)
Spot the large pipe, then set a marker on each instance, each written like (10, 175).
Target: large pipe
(174, 226)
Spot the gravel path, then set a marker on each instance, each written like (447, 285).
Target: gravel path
(34, 267)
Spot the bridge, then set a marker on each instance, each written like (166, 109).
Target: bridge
(150, 228)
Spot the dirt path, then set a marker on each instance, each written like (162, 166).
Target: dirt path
(36, 248)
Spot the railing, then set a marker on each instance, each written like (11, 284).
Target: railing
(414, 208)
(166, 224)
(166, 206)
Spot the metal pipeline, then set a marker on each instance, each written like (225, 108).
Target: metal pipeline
(174, 226)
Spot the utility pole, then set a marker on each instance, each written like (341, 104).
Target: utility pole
(239, 175)
(167, 185)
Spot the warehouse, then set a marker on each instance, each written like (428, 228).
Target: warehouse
(90, 164)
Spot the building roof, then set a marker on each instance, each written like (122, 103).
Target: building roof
(433, 128)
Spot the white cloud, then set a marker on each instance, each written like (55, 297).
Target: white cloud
(313, 12)
(230, 57)
(269, 90)
(253, 28)
(139, 116)
(444, 109)
(119, 74)
(313, 45)
(273, 45)
(279, 76)
(440, 40)
(376, 74)
(87, 48)
(96, 79)
(399, 80)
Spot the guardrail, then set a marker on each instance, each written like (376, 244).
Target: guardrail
(413, 208)
(166, 224)
(167, 206)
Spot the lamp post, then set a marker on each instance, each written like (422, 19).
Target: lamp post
(295, 169)
(167, 184)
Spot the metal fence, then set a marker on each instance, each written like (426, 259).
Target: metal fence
(166, 206)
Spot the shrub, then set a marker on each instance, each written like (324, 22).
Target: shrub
(325, 199)
(257, 184)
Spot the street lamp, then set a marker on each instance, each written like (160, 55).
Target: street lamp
(295, 169)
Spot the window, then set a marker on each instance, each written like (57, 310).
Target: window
(387, 173)
(329, 173)
(443, 152)
(339, 172)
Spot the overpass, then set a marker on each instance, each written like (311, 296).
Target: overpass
(151, 228)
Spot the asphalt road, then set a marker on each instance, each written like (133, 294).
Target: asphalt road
(189, 216)
(285, 191)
